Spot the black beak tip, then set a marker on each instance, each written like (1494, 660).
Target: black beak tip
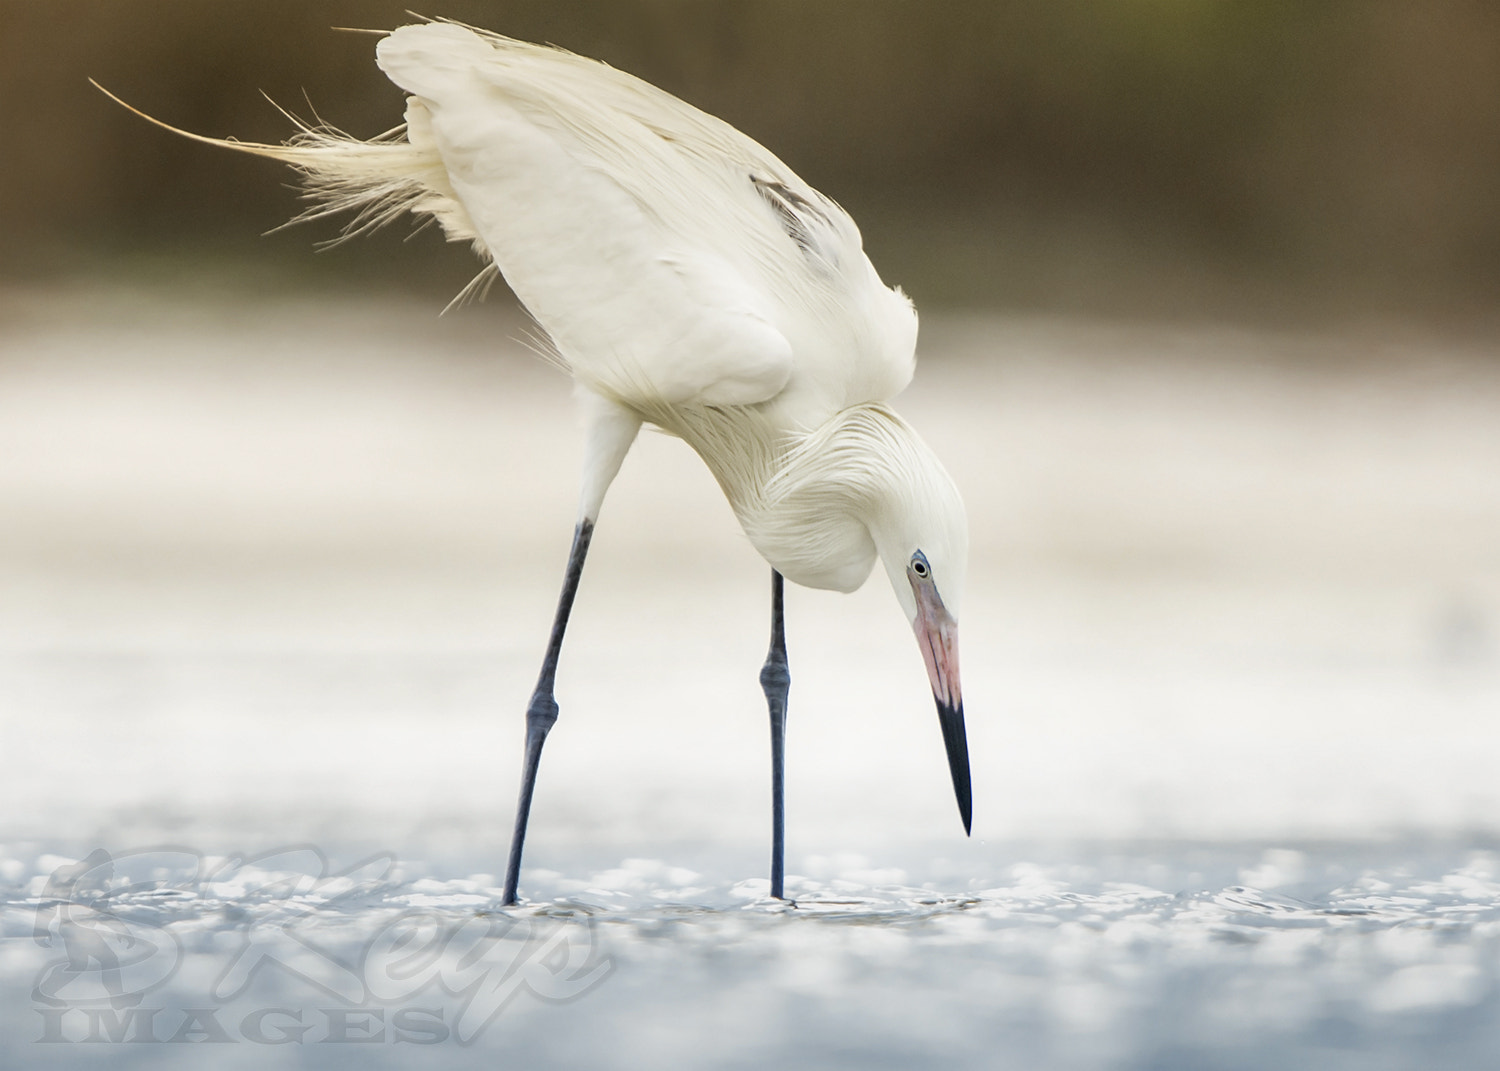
(956, 742)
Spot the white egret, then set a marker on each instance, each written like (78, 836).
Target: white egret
(690, 280)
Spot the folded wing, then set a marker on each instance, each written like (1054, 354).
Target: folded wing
(668, 255)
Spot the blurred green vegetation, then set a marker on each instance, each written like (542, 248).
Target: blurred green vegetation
(1156, 156)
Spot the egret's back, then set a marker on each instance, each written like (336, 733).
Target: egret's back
(670, 257)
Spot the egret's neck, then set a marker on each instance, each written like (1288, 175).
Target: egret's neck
(806, 500)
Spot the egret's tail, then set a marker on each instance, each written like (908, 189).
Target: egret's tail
(378, 180)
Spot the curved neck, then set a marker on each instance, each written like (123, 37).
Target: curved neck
(807, 501)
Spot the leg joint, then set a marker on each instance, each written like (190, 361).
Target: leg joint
(542, 711)
(775, 677)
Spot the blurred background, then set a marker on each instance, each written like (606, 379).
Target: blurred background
(1139, 157)
(1208, 341)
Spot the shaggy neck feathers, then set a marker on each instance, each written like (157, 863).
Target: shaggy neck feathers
(810, 503)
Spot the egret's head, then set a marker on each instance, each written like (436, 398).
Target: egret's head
(921, 533)
(877, 483)
(922, 536)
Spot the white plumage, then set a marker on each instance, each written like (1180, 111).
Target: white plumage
(689, 279)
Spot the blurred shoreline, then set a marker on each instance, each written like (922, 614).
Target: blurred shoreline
(1315, 324)
(1259, 162)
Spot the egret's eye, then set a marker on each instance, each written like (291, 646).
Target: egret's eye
(919, 565)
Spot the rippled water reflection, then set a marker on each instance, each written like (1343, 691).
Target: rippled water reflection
(1382, 956)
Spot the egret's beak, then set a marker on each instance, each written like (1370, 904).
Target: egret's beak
(937, 635)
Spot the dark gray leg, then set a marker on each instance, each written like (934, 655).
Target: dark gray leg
(543, 709)
(776, 681)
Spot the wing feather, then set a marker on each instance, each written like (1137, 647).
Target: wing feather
(670, 258)
(631, 304)
(663, 250)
